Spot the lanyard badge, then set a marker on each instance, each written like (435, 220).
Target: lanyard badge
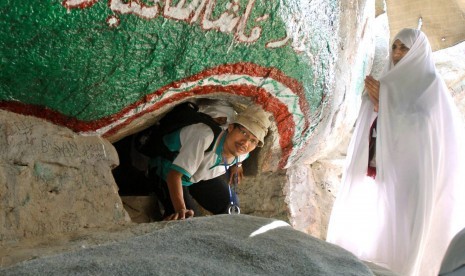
(233, 205)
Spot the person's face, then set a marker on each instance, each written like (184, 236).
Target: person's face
(399, 50)
(239, 140)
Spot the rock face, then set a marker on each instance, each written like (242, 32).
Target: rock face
(107, 69)
(312, 185)
(78, 75)
(444, 25)
(111, 68)
(451, 65)
(216, 245)
(52, 180)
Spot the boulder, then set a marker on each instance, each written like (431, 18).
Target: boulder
(53, 180)
(214, 245)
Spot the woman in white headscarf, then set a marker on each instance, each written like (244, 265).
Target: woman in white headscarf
(402, 198)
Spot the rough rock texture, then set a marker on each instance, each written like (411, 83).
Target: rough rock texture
(264, 196)
(52, 180)
(309, 197)
(284, 195)
(111, 68)
(294, 195)
(217, 245)
(355, 55)
(442, 21)
(450, 63)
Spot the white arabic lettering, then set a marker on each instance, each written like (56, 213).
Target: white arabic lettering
(134, 7)
(278, 43)
(256, 31)
(179, 12)
(228, 22)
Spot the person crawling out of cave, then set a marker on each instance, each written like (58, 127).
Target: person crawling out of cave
(201, 157)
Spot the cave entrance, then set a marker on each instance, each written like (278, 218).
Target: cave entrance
(137, 191)
(135, 188)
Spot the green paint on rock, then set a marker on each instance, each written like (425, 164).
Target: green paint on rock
(73, 62)
(42, 172)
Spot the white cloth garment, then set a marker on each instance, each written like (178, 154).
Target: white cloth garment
(405, 218)
(219, 109)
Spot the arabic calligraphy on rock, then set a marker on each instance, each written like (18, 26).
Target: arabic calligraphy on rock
(195, 11)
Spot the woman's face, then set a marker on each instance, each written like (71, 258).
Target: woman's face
(399, 50)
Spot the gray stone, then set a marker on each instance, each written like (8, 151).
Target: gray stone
(215, 245)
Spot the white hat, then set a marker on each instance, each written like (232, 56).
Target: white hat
(255, 120)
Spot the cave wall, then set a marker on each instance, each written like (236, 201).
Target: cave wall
(443, 22)
(90, 71)
(111, 68)
(312, 185)
(53, 180)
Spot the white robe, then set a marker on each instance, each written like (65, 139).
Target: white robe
(406, 217)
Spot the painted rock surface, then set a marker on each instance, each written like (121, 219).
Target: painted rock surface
(97, 67)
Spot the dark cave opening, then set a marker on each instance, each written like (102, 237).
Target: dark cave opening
(137, 191)
(131, 180)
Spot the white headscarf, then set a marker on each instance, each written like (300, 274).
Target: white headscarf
(219, 109)
(409, 214)
(408, 37)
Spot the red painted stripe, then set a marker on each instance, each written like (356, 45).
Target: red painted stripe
(50, 115)
(282, 116)
(82, 5)
(241, 68)
(254, 70)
